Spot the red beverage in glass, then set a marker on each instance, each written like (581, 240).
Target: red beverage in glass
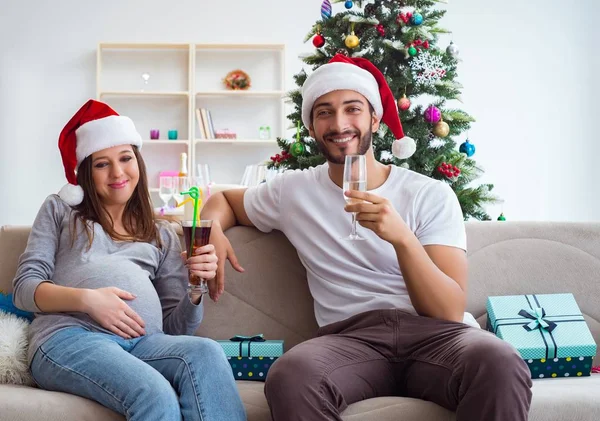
(201, 238)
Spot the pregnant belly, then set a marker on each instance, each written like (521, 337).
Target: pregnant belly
(146, 303)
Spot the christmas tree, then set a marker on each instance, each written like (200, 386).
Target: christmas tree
(401, 38)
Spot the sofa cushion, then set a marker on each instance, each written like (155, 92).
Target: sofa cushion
(13, 240)
(270, 297)
(22, 403)
(573, 399)
(553, 400)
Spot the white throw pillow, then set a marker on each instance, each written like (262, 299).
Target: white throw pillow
(470, 320)
(13, 350)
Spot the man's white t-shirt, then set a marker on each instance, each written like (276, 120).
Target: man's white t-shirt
(350, 277)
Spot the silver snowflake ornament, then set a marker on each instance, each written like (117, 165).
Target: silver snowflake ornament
(427, 69)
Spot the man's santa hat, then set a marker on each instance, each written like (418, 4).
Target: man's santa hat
(94, 127)
(360, 75)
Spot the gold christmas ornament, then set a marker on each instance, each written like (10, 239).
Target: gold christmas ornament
(352, 41)
(441, 129)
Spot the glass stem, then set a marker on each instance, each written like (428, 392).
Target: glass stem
(353, 224)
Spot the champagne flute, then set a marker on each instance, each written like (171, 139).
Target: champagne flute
(180, 184)
(165, 191)
(204, 174)
(355, 178)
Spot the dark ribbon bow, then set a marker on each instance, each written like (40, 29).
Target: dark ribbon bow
(255, 338)
(245, 342)
(537, 315)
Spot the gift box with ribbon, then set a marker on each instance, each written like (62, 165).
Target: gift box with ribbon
(548, 330)
(251, 357)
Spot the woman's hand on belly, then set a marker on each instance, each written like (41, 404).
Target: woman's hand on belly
(108, 308)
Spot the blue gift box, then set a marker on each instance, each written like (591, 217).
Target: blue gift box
(251, 357)
(548, 330)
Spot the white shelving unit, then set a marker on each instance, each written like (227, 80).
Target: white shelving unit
(179, 78)
(242, 112)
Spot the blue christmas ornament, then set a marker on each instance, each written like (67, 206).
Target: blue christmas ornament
(467, 148)
(416, 19)
(326, 9)
(349, 4)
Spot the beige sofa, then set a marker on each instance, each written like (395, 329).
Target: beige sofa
(271, 297)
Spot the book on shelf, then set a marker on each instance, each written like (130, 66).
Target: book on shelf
(201, 132)
(205, 123)
(211, 126)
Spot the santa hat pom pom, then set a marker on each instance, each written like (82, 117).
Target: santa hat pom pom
(404, 148)
(71, 194)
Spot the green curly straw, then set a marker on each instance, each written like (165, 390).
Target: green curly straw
(194, 194)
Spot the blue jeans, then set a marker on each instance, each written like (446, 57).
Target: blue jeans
(155, 377)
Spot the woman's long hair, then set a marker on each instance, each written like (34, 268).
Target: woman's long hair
(138, 217)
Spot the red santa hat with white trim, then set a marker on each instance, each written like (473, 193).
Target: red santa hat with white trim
(360, 75)
(94, 127)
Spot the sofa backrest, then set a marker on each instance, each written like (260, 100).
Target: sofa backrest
(271, 296)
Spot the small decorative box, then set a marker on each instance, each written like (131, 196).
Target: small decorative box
(225, 134)
(251, 357)
(548, 330)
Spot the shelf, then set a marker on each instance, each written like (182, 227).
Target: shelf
(184, 77)
(238, 141)
(240, 47)
(143, 94)
(165, 142)
(248, 93)
(148, 46)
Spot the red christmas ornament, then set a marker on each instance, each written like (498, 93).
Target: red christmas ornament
(318, 41)
(404, 103)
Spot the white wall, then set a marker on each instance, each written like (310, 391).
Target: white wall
(592, 30)
(529, 71)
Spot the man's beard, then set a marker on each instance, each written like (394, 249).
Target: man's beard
(364, 143)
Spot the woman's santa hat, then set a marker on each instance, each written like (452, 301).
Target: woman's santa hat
(94, 127)
(360, 75)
